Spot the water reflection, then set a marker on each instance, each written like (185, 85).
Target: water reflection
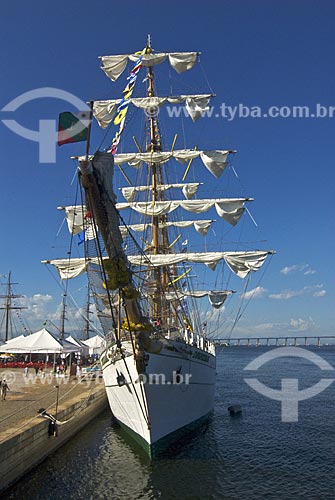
(102, 463)
(254, 456)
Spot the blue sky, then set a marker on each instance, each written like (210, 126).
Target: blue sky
(260, 53)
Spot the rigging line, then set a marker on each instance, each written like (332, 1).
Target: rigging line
(60, 227)
(82, 404)
(27, 406)
(205, 76)
(183, 130)
(257, 284)
(69, 391)
(120, 404)
(237, 176)
(15, 431)
(106, 132)
(74, 177)
(130, 332)
(69, 259)
(82, 314)
(170, 81)
(144, 413)
(239, 314)
(26, 423)
(144, 401)
(125, 175)
(60, 285)
(58, 281)
(251, 217)
(103, 269)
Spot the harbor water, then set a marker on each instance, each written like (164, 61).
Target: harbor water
(253, 455)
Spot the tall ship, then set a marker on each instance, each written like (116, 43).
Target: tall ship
(148, 237)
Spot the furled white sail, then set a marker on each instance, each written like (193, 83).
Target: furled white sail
(241, 263)
(114, 65)
(230, 209)
(75, 216)
(105, 111)
(216, 298)
(244, 262)
(214, 160)
(71, 268)
(77, 220)
(201, 226)
(189, 189)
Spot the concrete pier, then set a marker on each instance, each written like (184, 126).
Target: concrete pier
(24, 435)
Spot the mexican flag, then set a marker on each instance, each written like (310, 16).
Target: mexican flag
(73, 127)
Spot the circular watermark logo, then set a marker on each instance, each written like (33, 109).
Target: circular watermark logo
(289, 394)
(47, 135)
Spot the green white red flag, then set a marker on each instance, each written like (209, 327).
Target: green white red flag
(73, 127)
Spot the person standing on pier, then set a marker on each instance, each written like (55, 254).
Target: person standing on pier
(4, 389)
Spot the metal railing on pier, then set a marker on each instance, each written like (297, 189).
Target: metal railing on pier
(276, 341)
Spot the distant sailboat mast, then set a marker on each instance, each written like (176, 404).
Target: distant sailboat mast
(9, 306)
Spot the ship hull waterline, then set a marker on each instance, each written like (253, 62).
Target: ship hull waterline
(175, 393)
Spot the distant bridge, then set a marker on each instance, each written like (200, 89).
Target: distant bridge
(276, 341)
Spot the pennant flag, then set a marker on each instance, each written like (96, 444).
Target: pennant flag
(73, 127)
(122, 108)
(185, 242)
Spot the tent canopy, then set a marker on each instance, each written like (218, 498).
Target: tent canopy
(81, 347)
(95, 344)
(39, 342)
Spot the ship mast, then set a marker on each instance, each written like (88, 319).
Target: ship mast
(8, 306)
(63, 317)
(160, 241)
(155, 174)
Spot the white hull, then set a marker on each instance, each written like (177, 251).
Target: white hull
(152, 410)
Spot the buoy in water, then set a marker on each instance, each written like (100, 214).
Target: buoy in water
(234, 410)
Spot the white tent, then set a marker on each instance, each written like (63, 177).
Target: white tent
(95, 344)
(81, 347)
(39, 342)
(13, 341)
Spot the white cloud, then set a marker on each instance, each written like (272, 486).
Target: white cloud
(295, 267)
(274, 329)
(298, 268)
(301, 325)
(261, 329)
(265, 327)
(255, 293)
(288, 294)
(36, 305)
(35, 310)
(309, 271)
(37, 298)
